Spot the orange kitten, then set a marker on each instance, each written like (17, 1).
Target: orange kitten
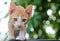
(18, 19)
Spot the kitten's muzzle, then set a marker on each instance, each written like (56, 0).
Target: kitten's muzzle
(19, 26)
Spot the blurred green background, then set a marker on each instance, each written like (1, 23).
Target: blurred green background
(45, 23)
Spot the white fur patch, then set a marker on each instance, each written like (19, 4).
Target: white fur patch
(21, 35)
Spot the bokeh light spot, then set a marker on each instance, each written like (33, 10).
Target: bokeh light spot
(50, 30)
(35, 36)
(49, 0)
(59, 12)
(49, 12)
(27, 36)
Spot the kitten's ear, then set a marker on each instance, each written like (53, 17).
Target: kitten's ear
(12, 7)
(28, 10)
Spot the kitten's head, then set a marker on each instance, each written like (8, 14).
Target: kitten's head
(19, 15)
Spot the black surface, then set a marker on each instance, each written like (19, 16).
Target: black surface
(35, 40)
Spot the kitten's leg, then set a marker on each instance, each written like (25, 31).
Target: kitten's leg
(22, 35)
(11, 32)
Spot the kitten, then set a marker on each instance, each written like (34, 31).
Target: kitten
(18, 19)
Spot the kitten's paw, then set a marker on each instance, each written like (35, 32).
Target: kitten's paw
(20, 38)
(11, 38)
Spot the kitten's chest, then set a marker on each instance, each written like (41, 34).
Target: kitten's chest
(16, 33)
(16, 30)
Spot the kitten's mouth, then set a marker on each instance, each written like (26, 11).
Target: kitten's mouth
(19, 26)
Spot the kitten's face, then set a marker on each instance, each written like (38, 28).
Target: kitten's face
(20, 16)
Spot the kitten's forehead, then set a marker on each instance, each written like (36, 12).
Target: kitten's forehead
(20, 12)
(19, 18)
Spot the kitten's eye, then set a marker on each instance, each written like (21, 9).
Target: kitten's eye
(23, 20)
(15, 19)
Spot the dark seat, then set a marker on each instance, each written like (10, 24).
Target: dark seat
(35, 40)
